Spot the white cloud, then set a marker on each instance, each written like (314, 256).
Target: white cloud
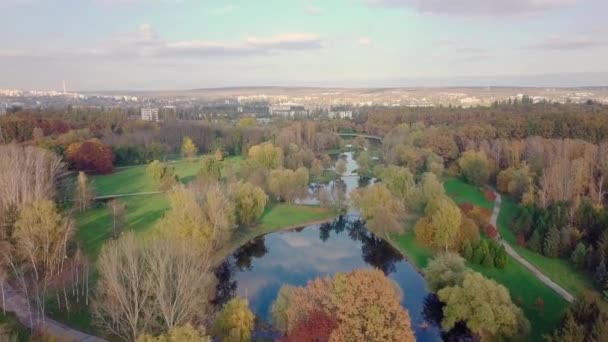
(145, 42)
(475, 7)
(364, 41)
(312, 9)
(568, 43)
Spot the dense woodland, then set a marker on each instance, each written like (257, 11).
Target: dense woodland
(551, 159)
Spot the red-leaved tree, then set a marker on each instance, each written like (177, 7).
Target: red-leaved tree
(91, 156)
(317, 327)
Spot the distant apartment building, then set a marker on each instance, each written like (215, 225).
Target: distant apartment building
(289, 110)
(340, 113)
(2, 110)
(150, 114)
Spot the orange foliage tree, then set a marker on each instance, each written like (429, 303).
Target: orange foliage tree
(92, 156)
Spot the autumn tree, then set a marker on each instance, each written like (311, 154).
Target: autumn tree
(316, 169)
(41, 238)
(162, 175)
(186, 333)
(441, 227)
(486, 308)
(267, 155)
(318, 326)
(211, 169)
(399, 180)
(91, 156)
(117, 211)
(364, 161)
(288, 185)
(340, 167)
(83, 194)
(235, 321)
(189, 149)
(249, 202)
(446, 269)
(474, 167)
(382, 211)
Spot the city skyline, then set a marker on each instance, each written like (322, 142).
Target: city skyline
(185, 44)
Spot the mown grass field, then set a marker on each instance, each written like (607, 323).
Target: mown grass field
(524, 287)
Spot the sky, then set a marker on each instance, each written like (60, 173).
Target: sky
(187, 44)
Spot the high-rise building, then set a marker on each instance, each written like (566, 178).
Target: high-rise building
(149, 114)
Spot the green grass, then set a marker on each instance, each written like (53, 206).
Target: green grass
(11, 322)
(462, 192)
(289, 215)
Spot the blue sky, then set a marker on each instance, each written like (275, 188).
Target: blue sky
(179, 44)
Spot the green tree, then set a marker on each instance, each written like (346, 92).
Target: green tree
(551, 244)
(399, 180)
(474, 167)
(446, 269)
(162, 175)
(534, 243)
(579, 256)
(235, 321)
(189, 149)
(445, 221)
(249, 202)
(486, 308)
(382, 211)
(267, 155)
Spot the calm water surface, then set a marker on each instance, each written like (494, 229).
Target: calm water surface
(258, 269)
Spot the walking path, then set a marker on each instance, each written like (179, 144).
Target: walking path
(546, 280)
(15, 302)
(128, 195)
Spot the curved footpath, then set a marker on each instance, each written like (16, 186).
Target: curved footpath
(546, 280)
(15, 303)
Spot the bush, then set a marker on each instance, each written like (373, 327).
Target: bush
(489, 195)
(466, 207)
(491, 231)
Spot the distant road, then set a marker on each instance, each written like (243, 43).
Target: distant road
(546, 280)
(367, 136)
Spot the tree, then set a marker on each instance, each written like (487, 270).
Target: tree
(91, 156)
(446, 269)
(485, 306)
(249, 202)
(121, 305)
(443, 227)
(189, 149)
(288, 185)
(474, 167)
(162, 175)
(399, 180)
(579, 256)
(267, 155)
(551, 244)
(279, 308)
(41, 238)
(340, 167)
(534, 243)
(117, 212)
(364, 161)
(381, 210)
(369, 308)
(211, 169)
(84, 193)
(317, 327)
(186, 333)
(316, 168)
(235, 321)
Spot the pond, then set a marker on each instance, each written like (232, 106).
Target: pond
(258, 269)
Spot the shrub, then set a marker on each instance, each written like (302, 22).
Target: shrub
(466, 207)
(490, 231)
(489, 195)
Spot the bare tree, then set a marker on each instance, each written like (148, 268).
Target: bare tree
(84, 193)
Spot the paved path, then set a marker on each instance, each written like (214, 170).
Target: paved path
(546, 280)
(17, 304)
(128, 195)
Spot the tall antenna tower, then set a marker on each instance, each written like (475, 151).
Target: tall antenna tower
(64, 89)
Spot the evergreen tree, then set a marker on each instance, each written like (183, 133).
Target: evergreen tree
(500, 260)
(579, 256)
(467, 251)
(534, 243)
(552, 243)
(488, 260)
(601, 274)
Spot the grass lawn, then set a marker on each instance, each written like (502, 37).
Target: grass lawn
(11, 322)
(462, 192)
